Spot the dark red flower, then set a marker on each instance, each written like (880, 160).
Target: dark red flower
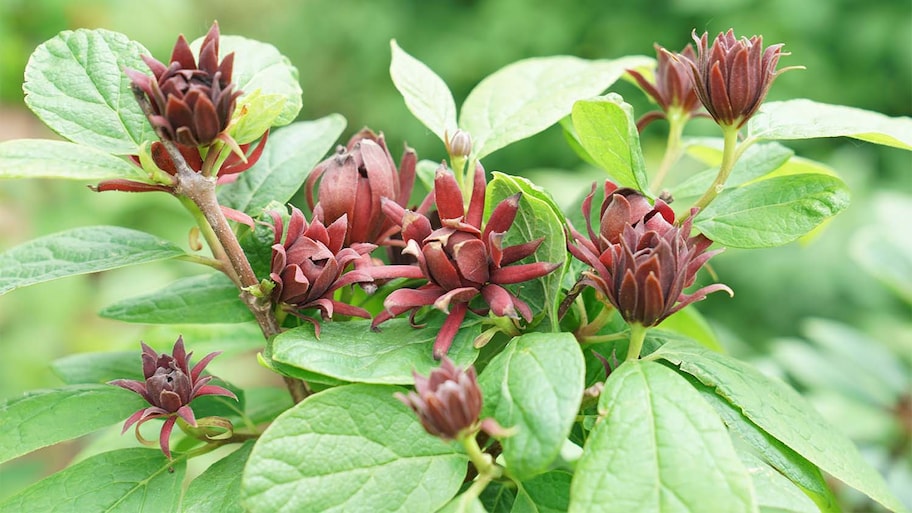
(448, 401)
(673, 88)
(640, 261)
(460, 260)
(311, 265)
(353, 181)
(169, 388)
(732, 77)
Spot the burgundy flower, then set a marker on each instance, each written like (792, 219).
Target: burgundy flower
(640, 261)
(448, 401)
(353, 181)
(460, 260)
(311, 265)
(169, 388)
(192, 104)
(673, 89)
(732, 76)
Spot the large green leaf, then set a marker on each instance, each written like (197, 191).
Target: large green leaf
(806, 119)
(80, 251)
(528, 96)
(205, 299)
(545, 493)
(608, 132)
(426, 94)
(75, 83)
(757, 161)
(350, 448)
(659, 448)
(781, 412)
(535, 386)
(80, 368)
(219, 487)
(127, 481)
(538, 217)
(773, 212)
(42, 158)
(45, 417)
(287, 159)
(350, 351)
(775, 493)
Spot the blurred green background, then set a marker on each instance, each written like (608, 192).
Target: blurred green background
(857, 53)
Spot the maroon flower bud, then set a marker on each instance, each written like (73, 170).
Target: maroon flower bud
(192, 104)
(673, 89)
(352, 182)
(169, 388)
(311, 265)
(448, 401)
(460, 260)
(641, 262)
(732, 77)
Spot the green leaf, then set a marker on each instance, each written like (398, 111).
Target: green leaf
(545, 493)
(660, 448)
(75, 83)
(528, 96)
(464, 503)
(260, 66)
(204, 299)
(287, 159)
(45, 417)
(80, 251)
(350, 448)
(691, 323)
(535, 386)
(219, 487)
(42, 158)
(254, 114)
(772, 212)
(806, 119)
(426, 94)
(127, 481)
(350, 351)
(775, 493)
(757, 161)
(538, 217)
(781, 412)
(607, 131)
(84, 368)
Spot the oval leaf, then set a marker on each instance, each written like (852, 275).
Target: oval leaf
(806, 119)
(426, 94)
(127, 481)
(181, 301)
(660, 448)
(783, 413)
(526, 97)
(219, 487)
(75, 83)
(287, 159)
(42, 158)
(350, 448)
(607, 131)
(80, 251)
(350, 351)
(535, 386)
(757, 161)
(773, 212)
(34, 421)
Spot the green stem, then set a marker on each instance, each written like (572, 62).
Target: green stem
(676, 120)
(730, 154)
(637, 336)
(487, 469)
(598, 339)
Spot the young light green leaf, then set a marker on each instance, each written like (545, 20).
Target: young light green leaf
(286, 161)
(806, 119)
(45, 417)
(260, 66)
(254, 114)
(772, 212)
(757, 161)
(660, 448)
(80, 251)
(219, 487)
(783, 413)
(350, 448)
(350, 351)
(42, 158)
(535, 386)
(607, 131)
(204, 299)
(463, 503)
(526, 97)
(426, 94)
(122, 481)
(75, 83)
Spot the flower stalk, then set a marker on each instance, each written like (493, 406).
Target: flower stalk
(637, 336)
(677, 118)
(730, 153)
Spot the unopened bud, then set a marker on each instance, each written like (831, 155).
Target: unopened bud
(460, 144)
